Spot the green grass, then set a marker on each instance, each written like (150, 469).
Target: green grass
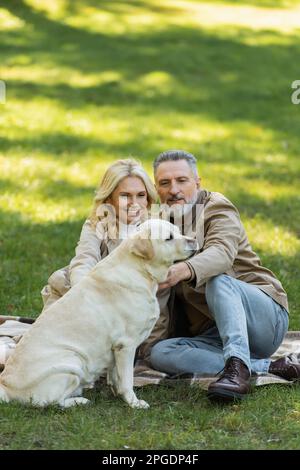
(179, 418)
(89, 82)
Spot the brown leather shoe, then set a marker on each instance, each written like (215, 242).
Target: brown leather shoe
(234, 382)
(287, 367)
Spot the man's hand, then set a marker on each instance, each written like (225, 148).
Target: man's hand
(178, 272)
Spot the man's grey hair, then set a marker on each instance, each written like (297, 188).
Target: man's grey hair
(174, 156)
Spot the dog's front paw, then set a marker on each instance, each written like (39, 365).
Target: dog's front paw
(139, 404)
(68, 402)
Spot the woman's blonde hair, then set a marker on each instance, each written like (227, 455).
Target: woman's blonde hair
(112, 177)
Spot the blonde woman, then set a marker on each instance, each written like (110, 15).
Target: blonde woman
(121, 202)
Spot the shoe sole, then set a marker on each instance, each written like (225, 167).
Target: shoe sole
(225, 396)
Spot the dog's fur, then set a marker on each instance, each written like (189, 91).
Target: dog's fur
(96, 326)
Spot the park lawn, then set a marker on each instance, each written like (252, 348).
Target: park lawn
(89, 82)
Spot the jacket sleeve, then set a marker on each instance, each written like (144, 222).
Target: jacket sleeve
(88, 254)
(221, 231)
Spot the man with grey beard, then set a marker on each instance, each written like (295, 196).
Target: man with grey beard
(235, 309)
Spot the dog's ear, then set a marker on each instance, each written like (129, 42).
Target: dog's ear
(142, 247)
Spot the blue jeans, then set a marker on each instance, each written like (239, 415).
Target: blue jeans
(250, 325)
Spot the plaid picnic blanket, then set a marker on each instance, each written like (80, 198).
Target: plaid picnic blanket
(13, 328)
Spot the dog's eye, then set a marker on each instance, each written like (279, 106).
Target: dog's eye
(170, 238)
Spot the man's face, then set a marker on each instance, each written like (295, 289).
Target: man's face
(176, 183)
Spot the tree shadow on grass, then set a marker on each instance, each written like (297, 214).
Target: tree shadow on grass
(29, 253)
(261, 3)
(47, 188)
(8, 186)
(122, 6)
(56, 143)
(210, 75)
(282, 212)
(224, 78)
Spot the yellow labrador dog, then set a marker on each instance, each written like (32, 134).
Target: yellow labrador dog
(96, 327)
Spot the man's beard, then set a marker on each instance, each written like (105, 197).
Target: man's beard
(183, 209)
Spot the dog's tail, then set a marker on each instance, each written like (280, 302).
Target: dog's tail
(3, 395)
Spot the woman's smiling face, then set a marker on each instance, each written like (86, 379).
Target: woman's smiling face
(129, 199)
